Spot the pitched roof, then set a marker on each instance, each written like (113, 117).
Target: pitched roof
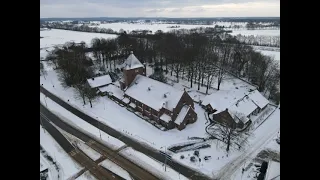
(132, 62)
(244, 106)
(258, 99)
(153, 93)
(166, 118)
(113, 90)
(222, 99)
(223, 116)
(182, 115)
(99, 81)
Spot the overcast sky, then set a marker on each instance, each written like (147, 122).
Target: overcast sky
(159, 8)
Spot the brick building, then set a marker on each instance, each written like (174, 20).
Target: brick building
(158, 101)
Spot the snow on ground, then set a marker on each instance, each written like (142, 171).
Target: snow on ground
(68, 165)
(151, 165)
(256, 32)
(94, 155)
(115, 169)
(55, 37)
(80, 124)
(86, 176)
(165, 28)
(108, 112)
(260, 140)
(52, 171)
(213, 165)
(274, 54)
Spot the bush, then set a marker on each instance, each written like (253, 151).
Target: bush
(182, 157)
(192, 159)
(196, 153)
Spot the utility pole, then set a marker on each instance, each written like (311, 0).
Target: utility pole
(99, 129)
(165, 159)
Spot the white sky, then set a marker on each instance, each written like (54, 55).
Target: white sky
(159, 8)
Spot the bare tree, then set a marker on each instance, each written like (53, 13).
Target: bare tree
(230, 136)
(42, 70)
(90, 93)
(224, 54)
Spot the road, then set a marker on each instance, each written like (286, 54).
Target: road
(261, 140)
(147, 150)
(127, 165)
(81, 158)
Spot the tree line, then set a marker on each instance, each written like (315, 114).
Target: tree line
(201, 60)
(273, 41)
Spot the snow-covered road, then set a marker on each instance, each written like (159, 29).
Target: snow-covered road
(262, 136)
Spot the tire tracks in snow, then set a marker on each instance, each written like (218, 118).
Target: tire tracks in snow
(229, 169)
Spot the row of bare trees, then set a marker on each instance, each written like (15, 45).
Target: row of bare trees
(74, 67)
(199, 59)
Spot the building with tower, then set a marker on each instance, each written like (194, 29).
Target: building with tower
(158, 101)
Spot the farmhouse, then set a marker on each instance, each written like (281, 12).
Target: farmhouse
(233, 108)
(99, 82)
(156, 100)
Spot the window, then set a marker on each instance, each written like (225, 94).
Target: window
(137, 70)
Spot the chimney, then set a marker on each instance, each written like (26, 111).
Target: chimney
(131, 52)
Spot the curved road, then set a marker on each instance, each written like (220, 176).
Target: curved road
(147, 150)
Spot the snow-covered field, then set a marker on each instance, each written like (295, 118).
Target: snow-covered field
(68, 167)
(56, 37)
(274, 54)
(256, 32)
(151, 165)
(165, 28)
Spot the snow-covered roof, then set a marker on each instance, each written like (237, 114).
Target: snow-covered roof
(182, 115)
(99, 81)
(126, 100)
(166, 118)
(132, 62)
(222, 99)
(112, 89)
(153, 93)
(273, 171)
(244, 106)
(238, 116)
(258, 99)
(132, 105)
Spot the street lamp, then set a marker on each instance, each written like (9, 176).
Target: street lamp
(99, 128)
